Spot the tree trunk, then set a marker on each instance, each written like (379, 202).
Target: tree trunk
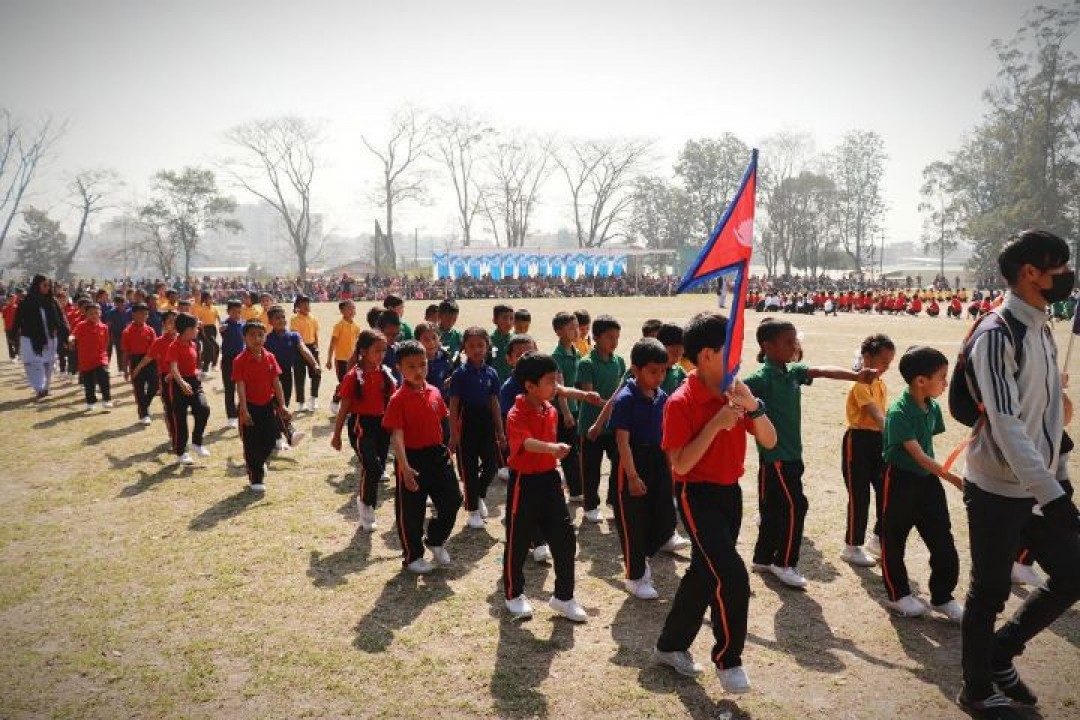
(391, 255)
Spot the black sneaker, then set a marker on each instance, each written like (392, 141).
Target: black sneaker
(993, 707)
(1010, 685)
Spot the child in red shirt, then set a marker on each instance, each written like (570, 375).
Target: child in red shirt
(135, 343)
(91, 338)
(155, 357)
(256, 373)
(414, 418)
(704, 437)
(363, 395)
(182, 360)
(537, 500)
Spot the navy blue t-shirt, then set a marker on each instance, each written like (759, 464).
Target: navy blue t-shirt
(474, 385)
(153, 319)
(641, 416)
(438, 369)
(284, 346)
(232, 337)
(508, 395)
(117, 320)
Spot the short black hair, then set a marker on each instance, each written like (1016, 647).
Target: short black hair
(185, 321)
(432, 308)
(367, 338)
(274, 311)
(475, 331)
(344, 304)
(168, 315)
(139, 307)
(407, 349)
(771, 328)
(874, 344)
(706, 330)
(448, 307)
(561, 320)
(519, 339)
(670, 334)
(392, 301)
(1042, 249)
(301, 299)
(91, 306)
(422, 328)
(921, 361)
(500, 309)
(253, 325)
(523, 315)
(118, 298)
(603, 324)
(533, 366)
(648, 350)
(650, 327)
(373, 314)
(388, 318)
(233, 304)
(583, 317)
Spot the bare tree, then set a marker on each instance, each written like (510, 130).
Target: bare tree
(90, 190)
(460, 139)
(786, 154)
(22, 150)
(518, 168)
(280, 157)
(154, 243)
(404, 178)
(857, 167)
(600, 175)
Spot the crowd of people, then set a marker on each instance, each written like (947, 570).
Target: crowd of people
(456, 410)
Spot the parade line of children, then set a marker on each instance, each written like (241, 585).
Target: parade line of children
(453, 411)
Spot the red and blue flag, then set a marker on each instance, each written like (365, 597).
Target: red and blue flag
(727, 253)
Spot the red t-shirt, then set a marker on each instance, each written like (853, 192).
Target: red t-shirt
(687, 411)
(523, 422)
(9, 314)
(257, 374)
(373, 395)
(137, 339)
(186, 357)
(419, 413)
(158, 349)
(91, 344)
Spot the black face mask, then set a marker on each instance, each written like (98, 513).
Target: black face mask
(1062, 287)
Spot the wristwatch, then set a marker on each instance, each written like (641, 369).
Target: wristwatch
(755, 414)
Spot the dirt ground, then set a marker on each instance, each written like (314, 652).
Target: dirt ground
(133, 588)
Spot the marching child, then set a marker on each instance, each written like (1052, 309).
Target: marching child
(601, 371)
(861, 454)
(365, 392)
(91, 337)
(522, 321)
(440, 364)
(209, 319)
(424, 470)
(781, 501)
(503, 317)
(449, 336)
(670, 336)
(117, 317)
(342, 343)
(232, 344)
(704, 437)
(537, 500)
(913, 495)
(583, 344)
(476, 427)
(135, 343)
(395, 303)
(566, 356)
(155, 357)
(256, 373)
(307, 325)
(182, 361)
(289, 349)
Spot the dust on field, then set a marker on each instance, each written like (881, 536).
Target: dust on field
(131, 587)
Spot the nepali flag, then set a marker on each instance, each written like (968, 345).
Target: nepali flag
(728, 253)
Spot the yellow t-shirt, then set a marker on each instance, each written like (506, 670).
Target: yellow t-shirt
(307, 326)
(686, 364)
(583, 346)
(343, 339)
(250, 312)
(207, 314)
(861, 396)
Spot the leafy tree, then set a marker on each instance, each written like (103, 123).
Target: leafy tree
(941, 228)
(710, 170)
(857, 167)
(40, 246)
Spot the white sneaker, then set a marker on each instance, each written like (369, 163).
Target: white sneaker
(503, 474)
(519, 607)
(297, 437)
(232, 423)
(541, 553)
(201, 450)
(186, 459)
(733, 680)
(788, 576)
(855, 555)
(593, 516)
(907, 606)
(281, 445)
(313, 405)
(108, 405)
(569, 609)
(420, 566)
(576, 499)
(475, 521)
(681, 661)
(145, 420)
(481, 507)
(90, 407)
(334, 409)
(873, 546)
(952, 610)
(641, 588)
(442, 557)
(367, 516)
(1026, 575)
(257, 488)
(675, 543)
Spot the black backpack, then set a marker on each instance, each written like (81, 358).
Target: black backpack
(965, 400)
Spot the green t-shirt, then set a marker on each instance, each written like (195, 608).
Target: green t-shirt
(405, 333)
(904, 421)
(675, 377)
(605, 376)
(781, 388)
(499, 342)
(567, 360)
(451, 340)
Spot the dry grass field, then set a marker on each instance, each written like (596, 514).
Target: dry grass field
(131, 587)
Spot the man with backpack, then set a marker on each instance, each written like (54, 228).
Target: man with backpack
(1016, 487)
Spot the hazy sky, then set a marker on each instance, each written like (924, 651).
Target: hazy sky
(152, 84)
